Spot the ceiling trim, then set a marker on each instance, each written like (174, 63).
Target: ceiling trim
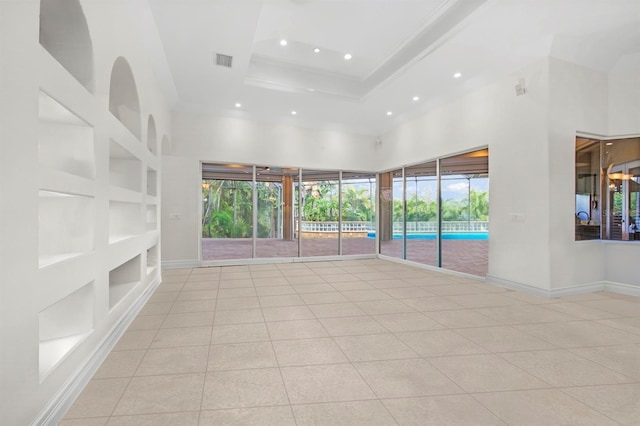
(276, 74)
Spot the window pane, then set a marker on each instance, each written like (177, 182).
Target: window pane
(227, 212)
(587, 210)
(275, 236)
(465, 212)
(358, 213)
(391, 214)
(319, 210)
(422, 213)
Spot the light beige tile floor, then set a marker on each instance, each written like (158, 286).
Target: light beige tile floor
(365, 342)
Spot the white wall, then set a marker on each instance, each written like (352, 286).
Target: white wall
(624, 119)
(25, 289)
(515, 130)
(578, 103)
(199, 137)
(624, 97)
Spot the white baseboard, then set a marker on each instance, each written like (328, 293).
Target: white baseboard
(177, 264)
(628, 289)
(55, 410)
(621, 288)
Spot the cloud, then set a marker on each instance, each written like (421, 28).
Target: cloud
(460, 187)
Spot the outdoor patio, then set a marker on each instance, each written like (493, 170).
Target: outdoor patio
(468, 256)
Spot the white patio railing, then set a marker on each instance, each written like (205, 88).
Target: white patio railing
(412, 227)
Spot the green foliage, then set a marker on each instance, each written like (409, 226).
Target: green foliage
(420, 210)
(227, 207)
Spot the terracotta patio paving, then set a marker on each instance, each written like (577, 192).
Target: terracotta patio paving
(468, 256)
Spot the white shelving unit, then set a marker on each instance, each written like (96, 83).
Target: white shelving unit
(152, 182)
(63, 325)
(152, 259)
(125, 170)
(65, 142)
(152, 138)
(80, 178)
(65, 226)
(125, 220)
(152, 217)
(123, 279)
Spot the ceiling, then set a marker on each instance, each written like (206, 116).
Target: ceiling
(400, 49)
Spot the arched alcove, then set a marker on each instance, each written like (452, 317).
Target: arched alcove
(152, 139)
(166, 145)
(123, 97)
(64, 33)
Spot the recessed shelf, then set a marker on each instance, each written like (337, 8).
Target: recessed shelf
(65, 142)
(152, 182)
(65, 226)
(152, 217)
(152, 259)
(63, 325)
(125, 170)
(152, 138)
(123, 279)
(64, 33)
(125, 220)
(123, 97)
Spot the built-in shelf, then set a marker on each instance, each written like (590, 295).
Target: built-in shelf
(123, 97)
(152, 217)
(65, 142)
(123, 279)
(65, 226)
(152, 182)
(125, 220)
(152, 138)
(152, 259)
(125, 170)
(63, 325)
(64, 33)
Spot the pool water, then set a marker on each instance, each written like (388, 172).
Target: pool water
(445, 236)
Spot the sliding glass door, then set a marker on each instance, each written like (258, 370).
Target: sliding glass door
(227, 212)
(422, 213)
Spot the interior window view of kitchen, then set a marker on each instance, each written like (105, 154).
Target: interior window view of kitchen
(607, 189)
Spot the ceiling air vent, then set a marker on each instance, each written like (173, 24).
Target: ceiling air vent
(224, 60)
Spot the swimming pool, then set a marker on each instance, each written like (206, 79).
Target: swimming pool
(445, 236)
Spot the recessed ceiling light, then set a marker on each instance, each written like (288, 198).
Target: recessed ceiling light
(293, 112)
(238, 105)
(316, 50)
(416, 98)
(283, 42)
(347, 56)
(457, 75)
(389, 112)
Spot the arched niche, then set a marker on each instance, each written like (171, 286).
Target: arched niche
(123, 97)
(166, 145)
(152, 139)
(64, 33)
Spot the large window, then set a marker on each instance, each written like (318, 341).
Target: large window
(607, 182)
(437, 213)
(271, 212)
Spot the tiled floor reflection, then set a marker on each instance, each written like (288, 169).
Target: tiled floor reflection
(365, 342)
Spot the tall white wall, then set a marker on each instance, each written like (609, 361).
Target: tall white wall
(516, 131)
(624, 97)
(203, 138)
(624, 119)
(27, 291)
(578, 103)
